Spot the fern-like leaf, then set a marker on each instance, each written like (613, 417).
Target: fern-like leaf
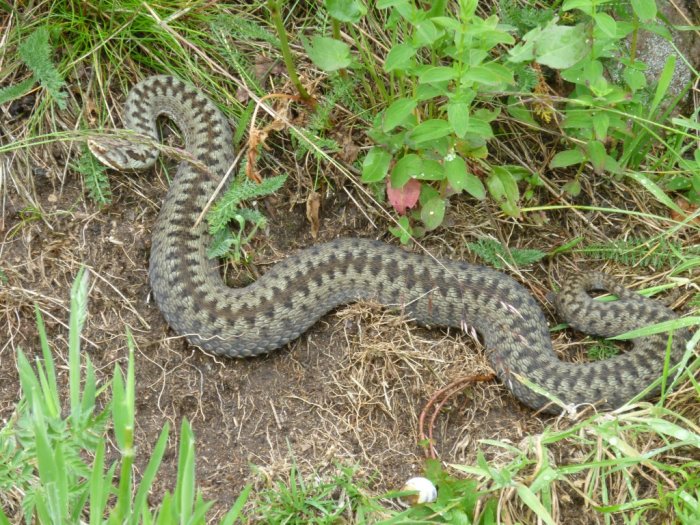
(494, 253)
(36, 53)
(16, 90)
(95, 177)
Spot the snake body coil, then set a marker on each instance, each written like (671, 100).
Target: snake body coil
(295, 293)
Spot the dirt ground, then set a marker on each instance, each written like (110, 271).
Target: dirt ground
(349, 391)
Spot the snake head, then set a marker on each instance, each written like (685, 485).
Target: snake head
(135, 152)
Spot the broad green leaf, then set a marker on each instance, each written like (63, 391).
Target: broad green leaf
(430, 130)
(597, 155)
(349, 11)
(555, 46)
(431, 170)
(375, 165)
(489, 75)
(328, 54)
(437, 74)
(397, 113)
(567, 158)
(460, 179)
(458, 117)
(480, 127)
(504, 189)
(433, 213)
(644, 9)
(635, 79)
(587, 6)
(409, 166)
(399, 58)
(607, 24)
(601, 123)
(426, 33)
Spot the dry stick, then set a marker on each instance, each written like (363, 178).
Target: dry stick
(446, 393)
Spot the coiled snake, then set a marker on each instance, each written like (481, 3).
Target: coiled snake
(296, 292)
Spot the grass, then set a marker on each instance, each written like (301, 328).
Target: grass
(88, 405)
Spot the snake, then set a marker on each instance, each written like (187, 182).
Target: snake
(297, 291)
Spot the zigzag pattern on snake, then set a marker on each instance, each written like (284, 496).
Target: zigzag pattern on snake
(296, 292)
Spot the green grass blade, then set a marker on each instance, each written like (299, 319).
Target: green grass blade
(664, 82)
(184, 490)
(78, 313)
(98, 488)
(51, 389)
(233, 514)
(140, 504)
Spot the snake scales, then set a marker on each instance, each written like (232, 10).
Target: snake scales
(295, 293)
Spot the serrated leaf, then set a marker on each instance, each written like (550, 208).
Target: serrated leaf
(376, 165)
(567, 158)
(328, 54)
(399, 58)
(430, 130)
(433, 213)
(397, 113)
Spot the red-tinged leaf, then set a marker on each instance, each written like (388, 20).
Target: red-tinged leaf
(403, 198)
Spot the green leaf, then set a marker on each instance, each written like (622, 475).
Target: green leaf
(489, 75)
(664, 81)
(567, 158)
(531, 500)
(397, 113)
(430, 130)
(437, 74)
(601, 123)
(558, 47)
(458, 117)
(36, 53)
(607, 24)
(657, 192)
(399, 58)
(376, 165)
(644, 9)
(431, 170)
(635, 79)
(587, 6)
(597, 155)
(504, 189)
(409, 166)
(433, 213)
(460, 179)
(328, 54)
(349, 11)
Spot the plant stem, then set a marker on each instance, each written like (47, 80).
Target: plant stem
(275, 14)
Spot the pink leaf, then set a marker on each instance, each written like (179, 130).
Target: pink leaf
(403, 198)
